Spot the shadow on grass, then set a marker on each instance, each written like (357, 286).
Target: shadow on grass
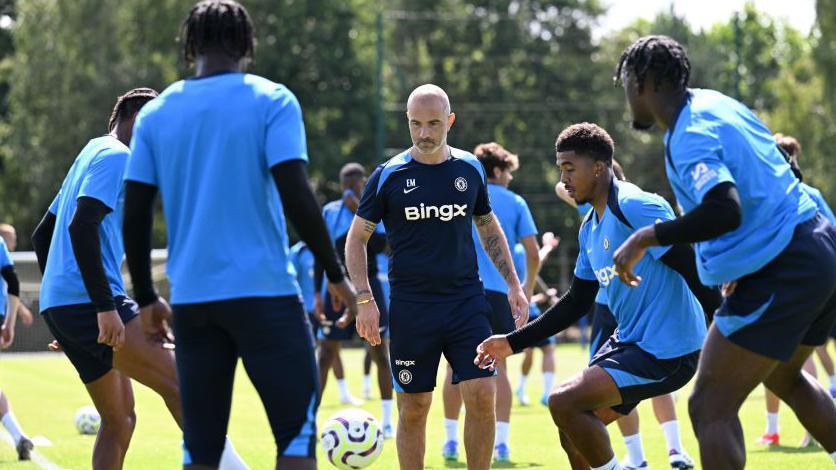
(789, 450)
(498, 465)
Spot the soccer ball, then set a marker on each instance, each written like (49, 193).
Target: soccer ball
(87, 420)
(351, 439)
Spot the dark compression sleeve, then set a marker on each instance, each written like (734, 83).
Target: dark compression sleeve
(42, 238)
(136, 232)
(718, 213)
(568, 310)
(681, 259)
(87, 248)
(304, 213)
(12, 282)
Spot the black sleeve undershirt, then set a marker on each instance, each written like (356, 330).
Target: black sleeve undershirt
(42, 238)
(87, 248)
(377, 244)
(568, 310)
(12, 282)
(304, 213)
(681, 259)
(136, 233)
(718, 213)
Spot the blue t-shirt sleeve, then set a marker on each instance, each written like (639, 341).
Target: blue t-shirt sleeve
(525, 223)
(698, 161)
(285, 129)
(103, 178)
(643, 210)
(371, 204)
(141, 166)
(583, 268)
(5, 256)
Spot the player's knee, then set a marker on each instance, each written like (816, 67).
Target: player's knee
(481, 399)
(561, 404)
(415, 412)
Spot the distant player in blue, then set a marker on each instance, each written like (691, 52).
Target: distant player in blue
(771, 435)
(303, 262)
(338, 216)
(755, 231)
(428, 198)
(661, 324)
(550, 243)
(518, 226)
(9, 311)
(229, 146)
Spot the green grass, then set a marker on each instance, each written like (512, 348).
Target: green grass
(45, 393)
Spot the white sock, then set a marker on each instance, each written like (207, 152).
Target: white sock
(501, 433)
(521, 386)
(11, 424)
(771, 423)
(387, 412)
(367, 382)
(451, 427)
(635, 452)
(344, 393)
(548, 381)
(671, 430)
(833, 456)
(230, 460)
(611, 465)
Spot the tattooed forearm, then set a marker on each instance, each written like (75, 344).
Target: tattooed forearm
(493, 246)
(483, 220)
(369, 226)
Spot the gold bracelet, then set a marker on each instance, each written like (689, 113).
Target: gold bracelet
(366, 301)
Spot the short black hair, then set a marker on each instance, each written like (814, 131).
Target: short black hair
(587, 139)
(352, 170)
(661, 55)
(129, 104)
(493, 155)
(218, 25)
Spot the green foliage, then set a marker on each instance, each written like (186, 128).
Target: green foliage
(517, 72)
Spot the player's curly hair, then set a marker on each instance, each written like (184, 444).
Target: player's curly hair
(218, 25)
(587, 139)
(661, 55)
(129, 104)
(493, 155)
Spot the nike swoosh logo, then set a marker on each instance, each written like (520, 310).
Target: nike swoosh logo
(407, 191)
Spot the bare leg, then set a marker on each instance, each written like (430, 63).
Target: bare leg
(147, 362)
(113, 397)
(528, 360)
(629, 425)
(329, 353)
(581, 409)
(478, 396)
(380, 356)
(412, 429)
(727, 374)
(810, 402)
(826, 361)
(451, 397)
(503, 393)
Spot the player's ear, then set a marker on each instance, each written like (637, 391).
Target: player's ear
(450, 120)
